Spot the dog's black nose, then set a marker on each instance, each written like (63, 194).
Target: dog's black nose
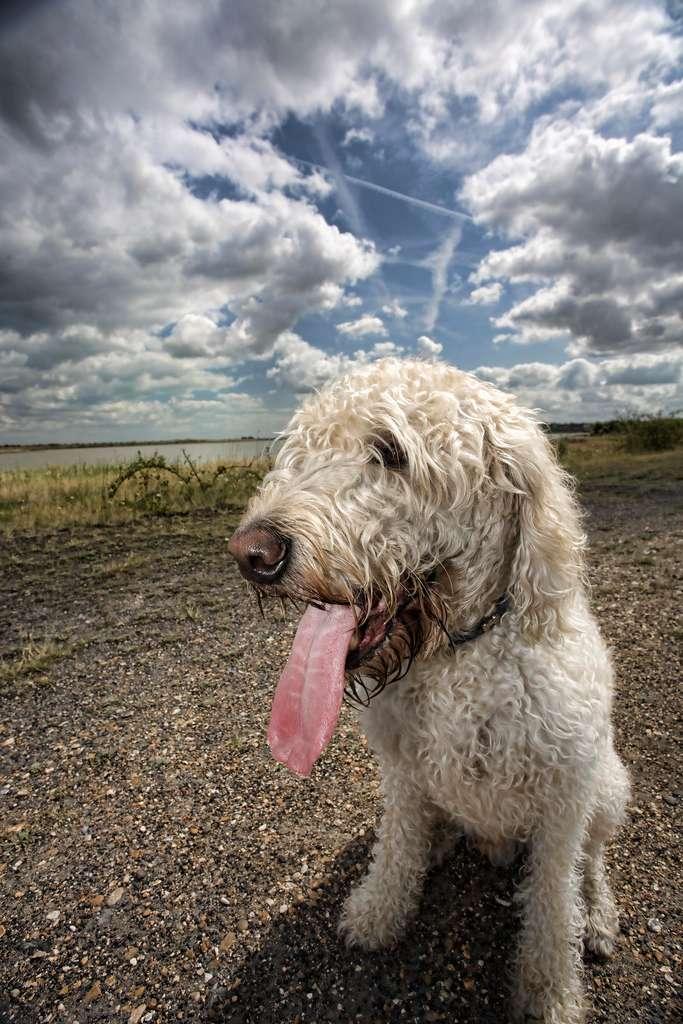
(260, 552)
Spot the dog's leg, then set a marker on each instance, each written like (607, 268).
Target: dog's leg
(549, 961)
(602, 919)
(376, 912)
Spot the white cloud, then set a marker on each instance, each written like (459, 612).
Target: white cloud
(487, 294)
(233, 61)
(587, 390)
(395, 309)
(82, 384)
(381, 349)
(426, 346)
(140, 186)
(365, 325)
(303, 367)
(600, 222)
(667, 104)
(358, 135)
(91, 239)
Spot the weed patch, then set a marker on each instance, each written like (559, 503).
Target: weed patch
(33, 659)
(100, 495)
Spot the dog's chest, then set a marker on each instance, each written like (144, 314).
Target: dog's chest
(464, 741)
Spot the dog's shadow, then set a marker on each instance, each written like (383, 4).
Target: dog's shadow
(453, 964)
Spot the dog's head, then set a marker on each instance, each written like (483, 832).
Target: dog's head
(405, 499)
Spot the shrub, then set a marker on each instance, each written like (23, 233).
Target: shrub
(645, 433)
(652, 433)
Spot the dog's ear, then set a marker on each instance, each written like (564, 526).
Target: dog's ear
(547, 565)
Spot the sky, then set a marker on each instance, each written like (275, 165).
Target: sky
(209, 209)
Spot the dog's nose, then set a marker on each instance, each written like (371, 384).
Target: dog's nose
(261, 554)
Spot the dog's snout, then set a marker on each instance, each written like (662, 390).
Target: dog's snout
(261, 554)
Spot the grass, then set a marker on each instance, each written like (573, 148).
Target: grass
(606, 459)
(118, 566)
(34, 500)
(31, 660)
(54, 497)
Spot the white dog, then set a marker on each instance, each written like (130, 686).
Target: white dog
(421, 516)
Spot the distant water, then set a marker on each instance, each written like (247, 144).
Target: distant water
(204, 451)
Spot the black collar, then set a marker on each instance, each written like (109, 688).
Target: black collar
(483, 626)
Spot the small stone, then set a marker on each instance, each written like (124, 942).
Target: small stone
(137, 1014)
(243, 924)
(655, 925)
(92, 994)
(53, 916)
(114, 896)
(97, 902)
(670, 799)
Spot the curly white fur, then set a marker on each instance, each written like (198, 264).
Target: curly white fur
(509, 736)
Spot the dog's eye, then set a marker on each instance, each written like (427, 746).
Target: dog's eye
(388, 453)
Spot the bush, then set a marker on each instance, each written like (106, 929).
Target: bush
(652, 433)
(646, 433)
(607, 427)
(155, 486)
(561, 448)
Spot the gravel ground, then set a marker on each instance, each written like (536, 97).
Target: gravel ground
(158, 865)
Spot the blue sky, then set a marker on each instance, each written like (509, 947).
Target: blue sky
(208, 210)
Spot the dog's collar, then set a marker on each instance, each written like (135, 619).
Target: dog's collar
(483, 626)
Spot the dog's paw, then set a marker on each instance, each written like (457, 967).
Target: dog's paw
(600, 944)
(501, 854)
(368, 919)
(600, 934)
(444, 845)
(544, 1008)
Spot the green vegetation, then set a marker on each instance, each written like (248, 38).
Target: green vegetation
(63, 496)
(655, 433)
(607, 459)
(56, 497)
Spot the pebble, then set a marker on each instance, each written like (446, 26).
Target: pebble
(162, 878)
(114, 896)
(92, 994)
(228, 942)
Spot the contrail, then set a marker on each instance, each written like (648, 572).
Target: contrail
(439, 263)
(444, 211)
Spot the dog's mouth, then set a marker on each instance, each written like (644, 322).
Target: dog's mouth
(370, 634)
(332, 640)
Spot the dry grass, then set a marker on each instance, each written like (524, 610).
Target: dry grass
(33, 658)
(32, 500)
(605, 458)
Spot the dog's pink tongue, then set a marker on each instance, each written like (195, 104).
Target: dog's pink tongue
(309, 695)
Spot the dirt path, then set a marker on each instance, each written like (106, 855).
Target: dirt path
(157, 865)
